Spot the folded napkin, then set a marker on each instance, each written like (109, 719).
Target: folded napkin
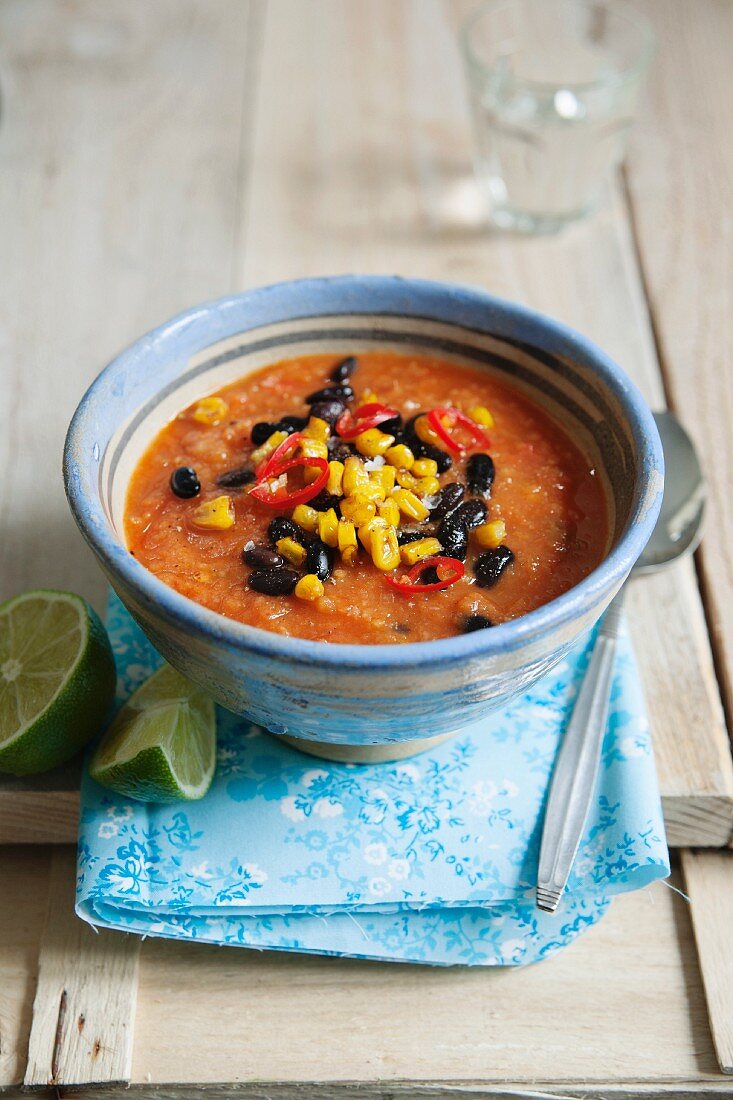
(430, 860)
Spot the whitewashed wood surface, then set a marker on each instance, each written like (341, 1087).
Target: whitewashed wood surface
(153, 155)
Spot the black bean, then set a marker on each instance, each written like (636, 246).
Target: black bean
(443, 459)
(472, 513)
(429, 575)
(233, 479)
(329, 411)
(490, 566)
(324, 501)
(319, 560)
(338, 451)
(453, 537)
(344, 370)
(282, 528)
(262, 431)
(330, 393)
(392, 426)
(262, 557)
(273, 582)
(480, 474)
(475, 622)
(296, 423)
(449, 497)
(184, 482)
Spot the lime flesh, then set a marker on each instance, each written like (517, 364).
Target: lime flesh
(57, 679)
(161, 747)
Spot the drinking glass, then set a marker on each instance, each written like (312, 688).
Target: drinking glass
(554, 86)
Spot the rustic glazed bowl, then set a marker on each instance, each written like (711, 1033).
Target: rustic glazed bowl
(344, 699)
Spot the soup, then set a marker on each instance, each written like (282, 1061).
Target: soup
(382, 498)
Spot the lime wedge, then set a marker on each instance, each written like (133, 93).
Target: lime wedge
(161, 747)
(57, 679)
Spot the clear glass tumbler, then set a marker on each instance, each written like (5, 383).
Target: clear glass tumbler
(554, 86)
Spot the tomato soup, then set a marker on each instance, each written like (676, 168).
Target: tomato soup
(381, 498)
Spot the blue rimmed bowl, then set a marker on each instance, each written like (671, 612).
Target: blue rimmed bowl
(352, 701)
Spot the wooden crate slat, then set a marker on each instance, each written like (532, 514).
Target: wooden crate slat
(709, 885)
(84, 1009)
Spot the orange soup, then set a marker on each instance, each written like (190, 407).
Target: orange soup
(382, 498)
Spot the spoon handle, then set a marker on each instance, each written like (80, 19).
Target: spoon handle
(576, 770)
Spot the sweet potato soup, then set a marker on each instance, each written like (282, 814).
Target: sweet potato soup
(378, 498)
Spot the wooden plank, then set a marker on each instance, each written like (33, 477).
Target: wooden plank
(122, 138)
(84, 1009)
(40, 809)
(680, 182)
(378, 178)
(709, 885)
(23, 902)
(369, 1022)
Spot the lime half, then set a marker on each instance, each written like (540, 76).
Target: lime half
(161, 747)
(57, 679)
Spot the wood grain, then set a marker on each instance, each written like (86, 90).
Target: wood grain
(628, 993)
(41, 809)
(84, 1009)
(122, 146)
(709, 885)
(680, 182)
(378, 178)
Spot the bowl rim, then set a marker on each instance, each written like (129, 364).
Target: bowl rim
(291, 299)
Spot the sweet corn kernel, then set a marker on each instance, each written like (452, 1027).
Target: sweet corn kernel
(366, 530)
(409, 505)
(306, 517)
(481, 415)
(291, 550)
(427, 486)
(369, 397)
(373, 442)
(400, 456)
(328, 525)
(354, 475)
(424, 431)
(359, 509)
(414, 552)
(406, 479)
(210, 410)
(384, 547)
(215, 515)
(373, 490)
(384, 476)
(347, 544)
(317, 429)
(335, 483)
(491, 534)
(389, 511)
(266, 449)
(312, 448)
(425, 467)
(309, 587)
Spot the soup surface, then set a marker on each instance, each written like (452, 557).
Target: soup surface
(412, 528)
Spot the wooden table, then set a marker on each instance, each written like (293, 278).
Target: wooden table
(154, 155)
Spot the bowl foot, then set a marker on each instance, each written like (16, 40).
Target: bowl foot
(365, 754)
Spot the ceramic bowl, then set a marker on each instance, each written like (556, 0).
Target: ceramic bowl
(344, 698)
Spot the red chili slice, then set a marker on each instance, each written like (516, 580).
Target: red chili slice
(456, 419)
(364, 418)
(283, 498)
(406, 582)
(282, 449)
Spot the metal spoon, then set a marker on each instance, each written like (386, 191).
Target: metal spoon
(678, 531)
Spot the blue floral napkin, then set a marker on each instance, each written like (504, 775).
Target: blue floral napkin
(429, 860)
